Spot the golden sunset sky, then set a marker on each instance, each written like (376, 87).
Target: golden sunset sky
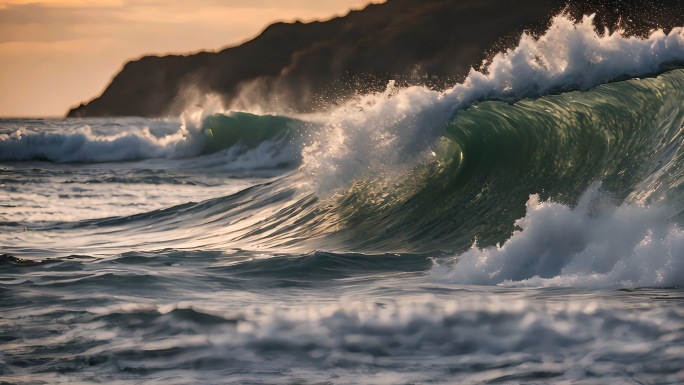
(55, 54)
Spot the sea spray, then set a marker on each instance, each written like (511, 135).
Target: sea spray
(399, 126)
(379, 133)
(594, 244)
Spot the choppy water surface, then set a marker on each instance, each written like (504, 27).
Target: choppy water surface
(241, 317)
(406, 237)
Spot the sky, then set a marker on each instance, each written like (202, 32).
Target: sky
(55, 54)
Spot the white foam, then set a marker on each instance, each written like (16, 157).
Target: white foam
(485, 337)
(83, 145)
(132, 140)
(595, 244)
(375, 134)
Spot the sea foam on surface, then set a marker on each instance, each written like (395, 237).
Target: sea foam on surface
(594, 244)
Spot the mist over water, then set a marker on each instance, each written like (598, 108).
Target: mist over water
(522, 227)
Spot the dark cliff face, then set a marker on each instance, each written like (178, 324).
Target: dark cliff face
(304, 67)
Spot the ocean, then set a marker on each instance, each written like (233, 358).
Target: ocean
(523, 227)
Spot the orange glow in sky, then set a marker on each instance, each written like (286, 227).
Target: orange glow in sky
(55, 54)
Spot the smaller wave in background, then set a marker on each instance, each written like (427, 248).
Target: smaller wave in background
(246, 141)
(94, 141)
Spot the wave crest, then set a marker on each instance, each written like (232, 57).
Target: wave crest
(378, 134)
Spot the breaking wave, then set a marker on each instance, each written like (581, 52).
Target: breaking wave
(594, 244)
(414, 170)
